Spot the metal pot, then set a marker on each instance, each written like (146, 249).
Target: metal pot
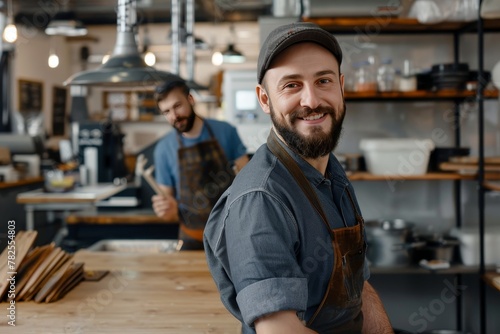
(433, 248)
(388, 242)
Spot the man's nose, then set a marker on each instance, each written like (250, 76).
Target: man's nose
(309, 97)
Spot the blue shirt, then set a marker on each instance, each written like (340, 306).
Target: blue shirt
(267, 248)
(165, 153)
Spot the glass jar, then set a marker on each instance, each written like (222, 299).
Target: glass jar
(386, 76)
(408, 80)
(364, 79)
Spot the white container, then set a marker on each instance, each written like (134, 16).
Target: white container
(469, 244)
(397, 156)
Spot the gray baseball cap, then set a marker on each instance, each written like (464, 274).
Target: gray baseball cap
(298, 32)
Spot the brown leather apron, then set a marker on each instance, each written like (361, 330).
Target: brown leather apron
(346, 281)
(204, 174)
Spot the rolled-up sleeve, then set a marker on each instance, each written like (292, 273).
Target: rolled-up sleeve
(261, 235)
(272, 295)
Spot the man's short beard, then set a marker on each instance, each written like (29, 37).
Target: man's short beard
(319, 143)
(189, 124)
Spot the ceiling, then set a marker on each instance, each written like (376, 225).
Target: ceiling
(37, 13)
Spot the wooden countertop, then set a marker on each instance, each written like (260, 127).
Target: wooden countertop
(87, 194)
(23, 182)
(143, 293)
(145, 216)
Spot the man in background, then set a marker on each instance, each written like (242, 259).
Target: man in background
(194, 164)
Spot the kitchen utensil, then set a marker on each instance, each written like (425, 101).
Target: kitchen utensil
(443, 154)
(396, 156)
(388, 242)
(434, 248)
(450, 76)
(151, 181)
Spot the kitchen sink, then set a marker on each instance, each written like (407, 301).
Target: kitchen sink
(150, 246)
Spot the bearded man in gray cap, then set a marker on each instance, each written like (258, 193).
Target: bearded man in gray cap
(285, 243)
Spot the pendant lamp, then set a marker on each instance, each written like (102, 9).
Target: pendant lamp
(126, 66)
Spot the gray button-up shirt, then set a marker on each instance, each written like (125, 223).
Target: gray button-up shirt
(267, 248)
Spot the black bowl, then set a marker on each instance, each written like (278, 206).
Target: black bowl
(443, 154)
(450, 68)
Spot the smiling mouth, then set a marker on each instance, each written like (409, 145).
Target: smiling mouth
(313, 117)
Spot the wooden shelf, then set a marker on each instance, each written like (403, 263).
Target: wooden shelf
(388, 25)
(436, 176)
(418, 95)
(415, 269)
(490, 185)
(365, 176)
(492, 278)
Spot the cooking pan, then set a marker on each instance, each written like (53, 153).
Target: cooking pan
(389, 241)
(433, 248)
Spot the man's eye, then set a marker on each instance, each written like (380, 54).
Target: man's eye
(326, 80)
(291, 85)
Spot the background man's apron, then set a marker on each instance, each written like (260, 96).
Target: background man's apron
(204, 174)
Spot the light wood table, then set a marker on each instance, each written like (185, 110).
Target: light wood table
(129, 217)
(143, 293)
(81, 198)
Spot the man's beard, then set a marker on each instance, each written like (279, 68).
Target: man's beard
(188, 126)
(318, 143)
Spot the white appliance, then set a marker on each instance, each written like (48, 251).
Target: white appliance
(242, 109)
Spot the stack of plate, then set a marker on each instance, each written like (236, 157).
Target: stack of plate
(450, 76)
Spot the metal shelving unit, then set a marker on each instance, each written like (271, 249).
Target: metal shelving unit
(390, 25)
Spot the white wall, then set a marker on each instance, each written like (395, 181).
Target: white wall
(32, 51)
(30, 63)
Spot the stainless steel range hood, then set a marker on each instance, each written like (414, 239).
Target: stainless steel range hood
(125, 67)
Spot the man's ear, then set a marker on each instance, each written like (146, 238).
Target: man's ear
(342, 78)
(263, 99)
(191, 99)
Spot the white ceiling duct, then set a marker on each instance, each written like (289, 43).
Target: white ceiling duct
(126, 66)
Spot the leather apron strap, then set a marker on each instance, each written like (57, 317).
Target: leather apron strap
(345, 282)
(298, 175)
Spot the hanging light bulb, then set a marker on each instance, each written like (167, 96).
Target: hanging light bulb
(217, 58)
(105, 58)
(10, 31)
(150, 58)
(230, 55)
(53, 60)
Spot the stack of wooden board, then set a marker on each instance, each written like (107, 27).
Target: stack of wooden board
(469, 165)
(43, 273)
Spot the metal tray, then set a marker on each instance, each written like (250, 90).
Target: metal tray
(151, 246)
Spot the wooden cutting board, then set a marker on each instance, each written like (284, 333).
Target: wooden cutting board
(45, 271)
(31, 262)
(467, 168)
(54, 281)
(475, 160)
(35, 271)
(24, 241)
(72, 276)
